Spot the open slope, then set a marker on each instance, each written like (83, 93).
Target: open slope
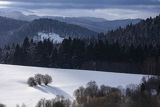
(14, 89)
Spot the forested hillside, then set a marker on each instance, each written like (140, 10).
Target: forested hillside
(147, 32)
(134, 49)
(7, 27)
(61, 28)
(15, 31)
(8, 24)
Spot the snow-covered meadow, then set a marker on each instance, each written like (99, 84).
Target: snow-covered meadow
(55, 38)
(14, 89)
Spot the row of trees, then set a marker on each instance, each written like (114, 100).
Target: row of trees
(59, 101)
(93, 96)
(147, 94)
(38, 79)
(82, 54)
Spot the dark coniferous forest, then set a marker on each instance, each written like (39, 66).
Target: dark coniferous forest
(134, 49)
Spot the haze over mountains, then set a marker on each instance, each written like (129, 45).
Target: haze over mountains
(92, 23)
(15, 26)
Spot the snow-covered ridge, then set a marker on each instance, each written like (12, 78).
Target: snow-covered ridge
(14, 89)
(41, 36)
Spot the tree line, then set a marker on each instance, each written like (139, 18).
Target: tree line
(82, 54)
(146, 94)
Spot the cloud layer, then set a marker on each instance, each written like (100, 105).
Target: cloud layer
(80, 4)
(109, 9)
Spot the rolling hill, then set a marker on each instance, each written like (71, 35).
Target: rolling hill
(14, 89)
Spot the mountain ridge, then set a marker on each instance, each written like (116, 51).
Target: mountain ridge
(92, 23)
(31, 29)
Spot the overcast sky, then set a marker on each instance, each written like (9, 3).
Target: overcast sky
(108, 9)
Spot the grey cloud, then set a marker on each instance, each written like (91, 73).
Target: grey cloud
(97, 8)
(86, 4)
(83, 3)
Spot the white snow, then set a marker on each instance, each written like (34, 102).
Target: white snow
(14, 90)
(51, 36)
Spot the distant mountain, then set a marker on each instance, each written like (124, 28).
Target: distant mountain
(16, 29)
(43, 25)
(8, 27)
(97, 24)
(17, 15)
(7, 24)
(92, 23)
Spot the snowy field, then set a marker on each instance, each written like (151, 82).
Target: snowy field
(14, 90)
